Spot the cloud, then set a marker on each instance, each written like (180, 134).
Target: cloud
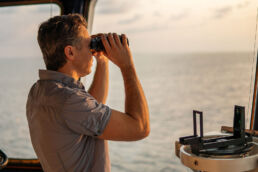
(46, 8)
(179, 16)
(222, 12)
(156, 14)
(243, 4)
(131, 20)
(225, 11)
(148, 28)
(114, 6)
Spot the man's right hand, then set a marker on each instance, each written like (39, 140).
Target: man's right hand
(118, 52)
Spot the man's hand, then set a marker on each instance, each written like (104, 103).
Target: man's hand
(100, 56)
(118, 52)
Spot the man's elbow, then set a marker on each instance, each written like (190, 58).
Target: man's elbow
(144, 132)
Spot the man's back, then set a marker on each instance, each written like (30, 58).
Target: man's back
(64, 120)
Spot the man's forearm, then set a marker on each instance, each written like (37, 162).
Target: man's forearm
(133, 124)
(99, 86)
(135, 101)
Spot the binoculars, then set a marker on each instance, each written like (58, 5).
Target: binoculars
(97, 45)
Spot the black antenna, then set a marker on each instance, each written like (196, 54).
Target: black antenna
(253, 124)
(254, 114)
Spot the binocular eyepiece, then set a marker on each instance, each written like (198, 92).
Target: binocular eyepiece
(97, 45)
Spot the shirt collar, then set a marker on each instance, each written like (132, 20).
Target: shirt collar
(60, 77)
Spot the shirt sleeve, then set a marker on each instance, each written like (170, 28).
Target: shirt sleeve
(84, 115)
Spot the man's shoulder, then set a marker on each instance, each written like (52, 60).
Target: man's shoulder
(52, 89)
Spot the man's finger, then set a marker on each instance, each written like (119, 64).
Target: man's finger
(96, 35)
(105, 43)
(124, 40)
(117, 40)
(111, 40)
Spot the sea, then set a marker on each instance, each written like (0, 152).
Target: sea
(174, 85)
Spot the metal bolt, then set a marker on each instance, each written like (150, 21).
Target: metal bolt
(195, 162)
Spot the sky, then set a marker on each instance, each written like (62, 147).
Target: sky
(172, 26)
(152, 26)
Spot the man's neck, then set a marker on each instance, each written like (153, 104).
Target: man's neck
(70, 72)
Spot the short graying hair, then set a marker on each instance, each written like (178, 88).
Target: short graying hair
(55, 34)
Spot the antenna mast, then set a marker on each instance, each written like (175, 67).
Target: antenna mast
(254, 113)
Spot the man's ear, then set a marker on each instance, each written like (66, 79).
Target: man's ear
(69, 52)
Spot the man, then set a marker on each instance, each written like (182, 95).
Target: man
(69, 126)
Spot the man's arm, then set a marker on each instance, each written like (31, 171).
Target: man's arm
(133, 124)
(99, 86)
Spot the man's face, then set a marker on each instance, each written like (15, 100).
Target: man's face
(83, 56)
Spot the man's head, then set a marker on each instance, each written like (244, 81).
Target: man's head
(62, 39)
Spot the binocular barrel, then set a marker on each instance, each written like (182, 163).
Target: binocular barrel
(97, 45)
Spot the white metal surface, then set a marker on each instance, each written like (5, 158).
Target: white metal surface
(222, 164)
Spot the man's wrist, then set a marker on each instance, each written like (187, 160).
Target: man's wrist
(127, 69)
(102, 60)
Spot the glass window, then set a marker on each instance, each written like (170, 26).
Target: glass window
(20, 60)
(189, 55)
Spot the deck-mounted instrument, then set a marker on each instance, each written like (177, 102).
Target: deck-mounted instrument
(236, 152)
